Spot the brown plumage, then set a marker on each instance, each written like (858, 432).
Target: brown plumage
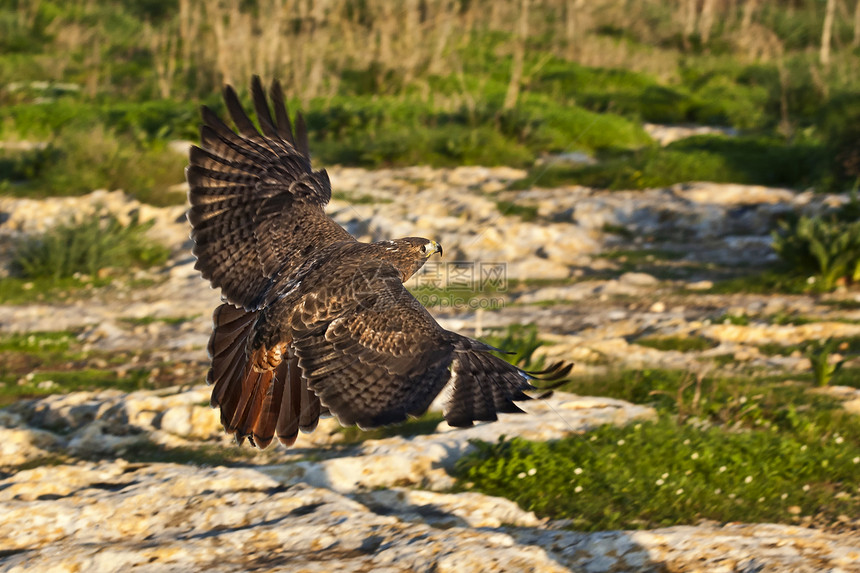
(314, 322)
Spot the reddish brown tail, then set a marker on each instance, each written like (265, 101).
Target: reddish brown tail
(257, 403)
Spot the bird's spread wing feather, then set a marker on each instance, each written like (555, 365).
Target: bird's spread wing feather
(256, 204)
(483, 385)
(314, 322)
(387, 358)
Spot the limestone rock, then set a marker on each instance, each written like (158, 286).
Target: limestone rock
(638, 279)
(666, 134)
(537, 268)
(114, 516)
(422, 460)
(98, 438)
(192, 421)
(22, 445)
(732, 194)
(468, 509)
(780, 334)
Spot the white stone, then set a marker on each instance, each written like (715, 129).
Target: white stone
(165, 517)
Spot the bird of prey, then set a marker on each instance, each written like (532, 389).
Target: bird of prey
(312, 321)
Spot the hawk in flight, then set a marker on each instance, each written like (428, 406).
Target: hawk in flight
(314, 322)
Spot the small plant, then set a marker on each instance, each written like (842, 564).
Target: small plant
(823, 367)
(519, 343)
(828, 248)
(98, 243)
(736, 319)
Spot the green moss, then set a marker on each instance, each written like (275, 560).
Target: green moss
(679, 343)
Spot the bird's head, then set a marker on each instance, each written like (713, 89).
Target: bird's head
(409, 254)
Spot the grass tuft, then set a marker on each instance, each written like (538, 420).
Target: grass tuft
(518, 344)
(88, 247)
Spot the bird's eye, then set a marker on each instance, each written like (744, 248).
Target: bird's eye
(423, 248)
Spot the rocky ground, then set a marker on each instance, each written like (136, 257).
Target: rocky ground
(109, 480)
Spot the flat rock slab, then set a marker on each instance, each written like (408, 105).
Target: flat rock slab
(106, 423)
(116, 516)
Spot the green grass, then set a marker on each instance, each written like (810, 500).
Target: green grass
(679, 343)
(527, 213)
(38, 342)
(619, 230)
(750, 400)
(448, 289)
(844, 346)
(14, 388)
(767, 281)
(170, 320)
(81, 158)
(842, 304)
(726, 448)
(792, 318)
(100, 242)
(826, 247)
(640, 256)
(736, 319)
(38, 349)
(651, 475)
(359, 199)
(36, 364)
(14, 290)
(716, 158)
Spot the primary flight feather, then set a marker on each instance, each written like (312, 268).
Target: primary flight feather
(314, 322)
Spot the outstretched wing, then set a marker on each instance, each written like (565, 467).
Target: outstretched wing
(388, 359)
(256, 204)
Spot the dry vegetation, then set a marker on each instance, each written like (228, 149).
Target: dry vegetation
(196, 45)
(437, 81)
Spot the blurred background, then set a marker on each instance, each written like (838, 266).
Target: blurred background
(93, 92)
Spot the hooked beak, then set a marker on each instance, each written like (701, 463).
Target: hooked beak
(434, 248)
